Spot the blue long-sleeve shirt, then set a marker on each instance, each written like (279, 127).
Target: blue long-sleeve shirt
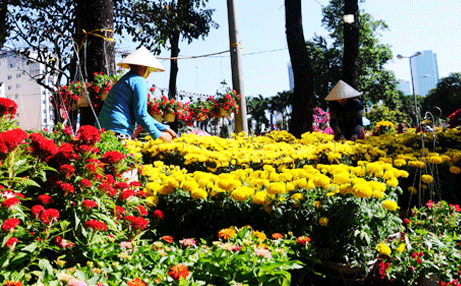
(126, 105)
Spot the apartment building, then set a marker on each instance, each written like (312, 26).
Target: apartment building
(35, 111)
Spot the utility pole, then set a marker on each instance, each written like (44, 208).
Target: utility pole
(241, 123)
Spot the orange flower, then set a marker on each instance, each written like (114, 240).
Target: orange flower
(167, 238)
(303, 240)
(136, 282)
(226, 233)
(178, 271)
(277, 235)
(12, 283)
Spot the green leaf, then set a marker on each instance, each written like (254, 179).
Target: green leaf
(30, 248)
(45, 265)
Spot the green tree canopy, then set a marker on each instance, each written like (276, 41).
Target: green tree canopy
(446, 96)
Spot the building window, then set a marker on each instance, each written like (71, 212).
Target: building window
(18, 75)
(9, 87)
(11, 65)
(18, 86)
(10, 77)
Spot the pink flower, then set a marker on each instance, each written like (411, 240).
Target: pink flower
(59, 241)
(188, 242)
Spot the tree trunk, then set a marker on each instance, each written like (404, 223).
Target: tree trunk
(94, 30)
(174, 41)
(3, 33)
(303, 96)
(351, 45)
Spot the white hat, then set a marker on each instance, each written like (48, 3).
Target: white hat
(142, 57)
(341, 91)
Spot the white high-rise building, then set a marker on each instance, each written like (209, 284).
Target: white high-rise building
(291, 77)
(425, 72)
(35, 111)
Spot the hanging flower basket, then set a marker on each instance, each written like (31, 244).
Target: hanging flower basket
(224, 112)
(170, 117)
(83, 101)
(157, 117)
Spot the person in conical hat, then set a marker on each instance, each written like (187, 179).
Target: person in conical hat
(126, 103)
(346, 112)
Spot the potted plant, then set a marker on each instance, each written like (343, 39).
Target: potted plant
(225, 104)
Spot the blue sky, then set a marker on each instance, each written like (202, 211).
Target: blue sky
(414, 25)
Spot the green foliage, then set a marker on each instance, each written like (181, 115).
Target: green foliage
(446, 96)
(384, 113)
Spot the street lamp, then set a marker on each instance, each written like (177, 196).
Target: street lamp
(417, 54)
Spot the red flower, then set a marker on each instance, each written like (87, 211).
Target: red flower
(112, 157)
(303, 240)
(142, 210)
(36, 210)
(10, 224)
(49, 216)
(89, 204)
(277, 235)
(106, 188)
(126, 194)
(136, 282)
(10, 139)
(119, 211)
(137, 223)
(7, 107)
(11, 243)
(88, 135)
(59, 241)
(67, 188)
(178, 271)
(122, 186)
(95, 225)
(85, 183)
(158, 214)
(41, 146)
(12, 283)
(45, 199)
(167, 238)
(67, 170)
(8, 203)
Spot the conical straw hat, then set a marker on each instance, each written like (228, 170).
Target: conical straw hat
(142, 57)
(341, 91)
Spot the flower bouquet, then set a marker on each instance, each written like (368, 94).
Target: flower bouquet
(200, 110)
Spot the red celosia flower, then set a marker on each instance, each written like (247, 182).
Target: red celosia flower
(36, 210)
(110, 179)
(303, 240)
(136, 223)
(88, 204)
(88, 135)
(49, 216)
(135, 184)
(122, 186)
(59, 241)
(95, 225)
(10, 139)
(42, 147)
(126, 194)
(11, 243)
(158, 214)
(112, 157)
(142, 210)
(106, 188)
(67, 170)
(67, 188)
(178, 271)
(45, 199)
(167, 238)
(118, 212)
(277, 235)
(136, 282)
(7, 107)
(11, 202)
(10, 224)
(85, 149)
(85, 183)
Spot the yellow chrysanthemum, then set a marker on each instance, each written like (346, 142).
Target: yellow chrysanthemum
(259, 235)
(427, 179)
(317, 204)
(301, 183)
(198, 193)
(412, 190)
(323, 221)
(362, 190)
(259, 198)
(401, 248)
(390, 205)
(276, 188)
(151, 201)
(242, 193)
(394, 182)
(189, 185)
(321, 180)
(383, 249)
(455, 170)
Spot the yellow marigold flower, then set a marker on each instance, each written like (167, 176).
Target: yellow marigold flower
(341, 178)
(427, 179)
(290, 186)
(323, 221)
(227, 233)
(390, 205)
(378, 194)
(276, 188)
(317, 204)
(151, 201)
(260, 197)
(321, 180)
(242, 193)
(310, 184)
(383, 249)
(362, 190)
(401, 248)
(388, 175)
(189, 185)
(225, 184)
(259, 235)
(400, 162)
(166, 190)
(345, 189)
(301, 183)
(435, 160)
(198, 193)
(455, 170)
(412, 190)
(394, 182)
